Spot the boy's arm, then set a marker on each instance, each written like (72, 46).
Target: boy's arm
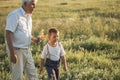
(43, 57)
(41, 65)
(64, 62)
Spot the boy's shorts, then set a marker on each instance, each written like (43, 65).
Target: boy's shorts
(52, 68)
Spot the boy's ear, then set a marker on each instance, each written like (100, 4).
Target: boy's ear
(48, 36)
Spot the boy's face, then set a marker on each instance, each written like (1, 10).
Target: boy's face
(54, 37)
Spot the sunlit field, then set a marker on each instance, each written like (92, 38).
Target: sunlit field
(89, 32)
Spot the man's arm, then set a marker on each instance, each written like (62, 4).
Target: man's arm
(64, 62)
(9, 39)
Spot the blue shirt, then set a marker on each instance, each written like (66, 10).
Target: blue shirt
(20, 24)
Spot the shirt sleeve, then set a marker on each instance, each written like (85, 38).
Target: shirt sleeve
(44, 53)
(11, 23)
(62, 51)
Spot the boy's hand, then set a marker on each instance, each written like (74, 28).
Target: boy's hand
(41, 65)
(41, 70)
(14, 58)
(65, 68)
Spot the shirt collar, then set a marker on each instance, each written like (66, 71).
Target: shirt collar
(24, 13)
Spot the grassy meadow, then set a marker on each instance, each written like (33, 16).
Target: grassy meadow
(89, 32)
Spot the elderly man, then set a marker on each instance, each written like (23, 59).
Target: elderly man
(18, 35)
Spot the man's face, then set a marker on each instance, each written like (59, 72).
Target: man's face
(54, 37)
(30, 6)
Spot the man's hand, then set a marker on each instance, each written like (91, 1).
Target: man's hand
(37, 40)
(14, 58)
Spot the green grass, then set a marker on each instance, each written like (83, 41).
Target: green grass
(89, 32)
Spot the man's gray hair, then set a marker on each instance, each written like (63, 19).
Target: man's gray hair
(23, 1)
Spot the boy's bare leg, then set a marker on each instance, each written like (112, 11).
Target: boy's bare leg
(57, 73)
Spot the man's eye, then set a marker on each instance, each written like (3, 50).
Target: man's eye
(33, 5)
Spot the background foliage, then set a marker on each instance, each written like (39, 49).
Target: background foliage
(89, 32)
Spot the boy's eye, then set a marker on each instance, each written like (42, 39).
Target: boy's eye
(55, 36)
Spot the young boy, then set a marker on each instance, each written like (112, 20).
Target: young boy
(52, 52)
